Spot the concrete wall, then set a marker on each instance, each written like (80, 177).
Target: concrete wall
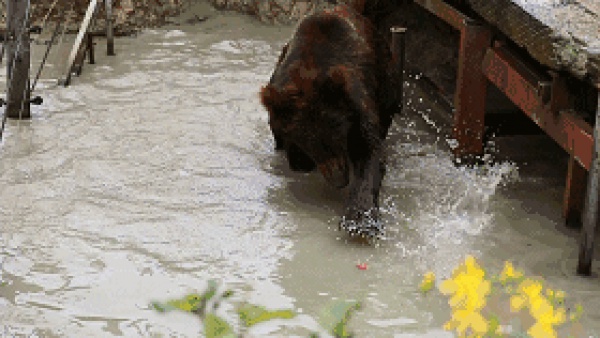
(129, 15)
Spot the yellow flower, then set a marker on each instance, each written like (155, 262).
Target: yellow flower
(540, 308)
(509, 273)
(464, 319)
(467, 287)
(528, 291)
(428, 282)
(468, 290)
(541, 330)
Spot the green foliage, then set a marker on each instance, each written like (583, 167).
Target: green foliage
(335, 318)
(216, 327)
(195, 303)
(254, 314)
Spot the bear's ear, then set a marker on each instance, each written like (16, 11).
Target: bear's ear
(335, 86)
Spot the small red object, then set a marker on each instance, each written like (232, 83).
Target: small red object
(362, 266)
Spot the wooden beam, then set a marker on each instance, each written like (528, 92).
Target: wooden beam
(570, 131)
(398, 48)
(471, 92)
(78, 41)
(110, 37)
(18, 60)
(590, 212)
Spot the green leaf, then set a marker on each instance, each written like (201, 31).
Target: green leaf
(254, 314)
(493, 325)
(189, 303)
(335, 319)
(576, 315)
(211, 290)
(216, 327)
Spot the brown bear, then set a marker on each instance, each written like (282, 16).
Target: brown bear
(331, 99)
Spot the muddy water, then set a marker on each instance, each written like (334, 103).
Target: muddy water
(155, 172)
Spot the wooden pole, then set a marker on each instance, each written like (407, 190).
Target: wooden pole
(590, 211)
(18, 58)
(90, 48)
(2, 47)
(78, 40)
(398, 55)
(110, 37)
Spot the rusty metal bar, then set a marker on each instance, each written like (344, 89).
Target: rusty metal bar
(471, 84)
(471, 89)
(590, 212)
(445, 12)
(570, 131)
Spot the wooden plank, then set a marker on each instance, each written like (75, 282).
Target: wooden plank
(562, 37)
(78, 40)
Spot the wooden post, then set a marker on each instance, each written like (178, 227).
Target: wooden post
(90, 48)
(78, 40)
(574, 196)
(471, 89)
(110, 38)
(18, 58)
(398, 56)
(3, 46)
(590, 212)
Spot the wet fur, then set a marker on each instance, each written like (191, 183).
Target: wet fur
(331, 101)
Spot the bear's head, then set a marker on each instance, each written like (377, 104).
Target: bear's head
(316, 111)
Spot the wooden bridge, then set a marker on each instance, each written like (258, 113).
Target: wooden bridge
(545, 57)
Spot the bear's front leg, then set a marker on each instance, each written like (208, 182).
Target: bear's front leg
(362, 208)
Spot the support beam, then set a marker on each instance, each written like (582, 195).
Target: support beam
(3, 36)
(574, 196)
(539, 99)
(90, 48)
(590, 212)
(398, 56)
(110, 37)
(18, 60)
(471, 91)
(78, 41)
